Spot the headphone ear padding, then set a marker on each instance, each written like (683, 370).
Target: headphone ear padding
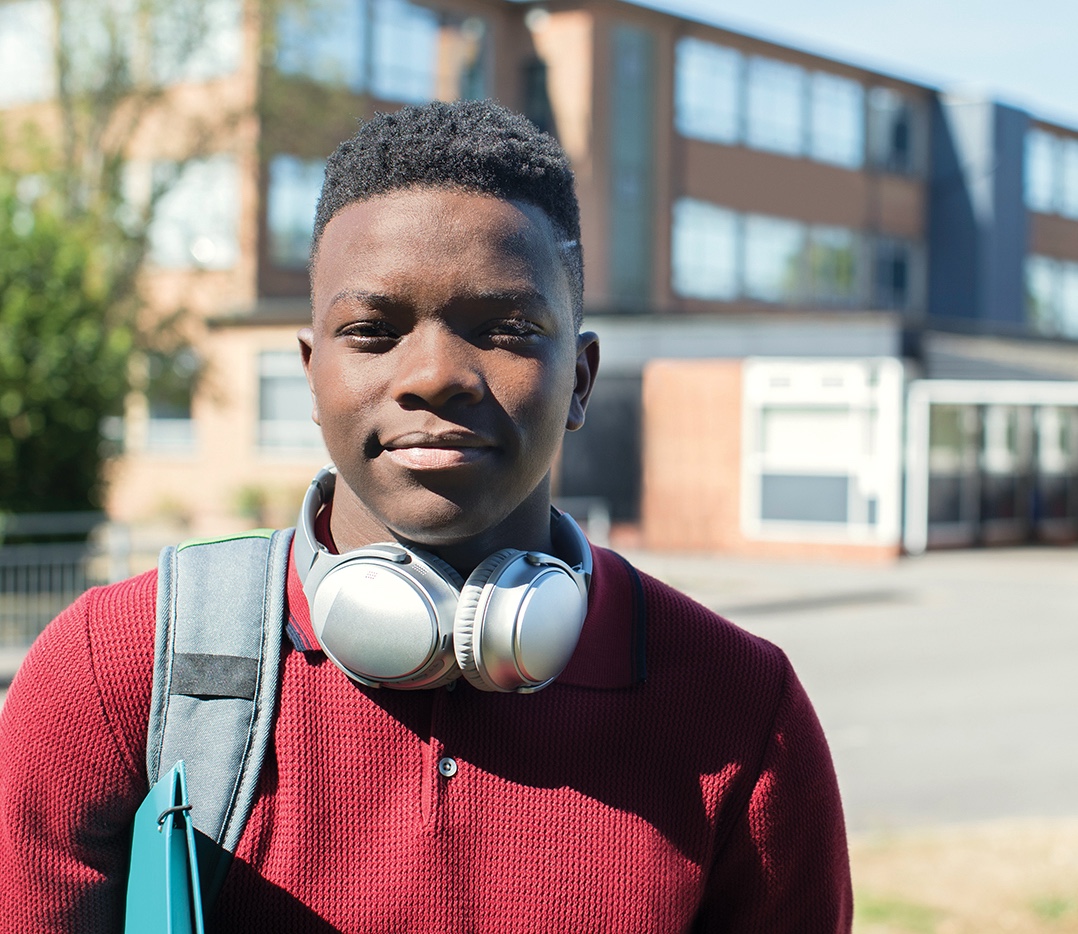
(447, 570)
(464, 625)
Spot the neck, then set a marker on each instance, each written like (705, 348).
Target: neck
(526, 528)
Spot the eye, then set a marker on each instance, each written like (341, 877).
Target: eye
(369, 336)
(512, 331)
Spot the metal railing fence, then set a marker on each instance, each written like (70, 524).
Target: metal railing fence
(46, 561)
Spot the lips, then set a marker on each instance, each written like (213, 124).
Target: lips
(436, 451)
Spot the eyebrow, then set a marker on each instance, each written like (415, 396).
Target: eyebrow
(374, 299)
(521, 298)
(528, 299)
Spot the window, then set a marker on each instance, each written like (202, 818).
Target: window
(768, 104)
(1041, 171)
(325, 41)
(1068, 300)
(196, 40)
(1052, 296)
(1051, 173)
(537, 106)
(294, 186)
(837, 121)
(804, 498)
(704, 248)
(1042, 294)
(1068, 178)
(720, 255)
(195, 220)
(892, 131)
(405, 41)
(952, 463)
(707, 91)
(397, 50)
(170, 382)
(27, 73)
(773, 253)
(832, 266)
(895, 274)
(775, 106)
(284, 403)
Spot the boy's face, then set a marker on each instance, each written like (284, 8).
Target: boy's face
(445, 366)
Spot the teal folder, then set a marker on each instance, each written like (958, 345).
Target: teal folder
(163, 895)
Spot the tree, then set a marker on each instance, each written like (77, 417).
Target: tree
(64, 356)
(73, 241)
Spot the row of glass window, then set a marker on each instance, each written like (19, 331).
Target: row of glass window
(292, 196)
(723, 255)
(724, 96)
(717, 254)
(396, 50)
(1052, 296)
(187, 40)
(196, 219)
(1051, 173)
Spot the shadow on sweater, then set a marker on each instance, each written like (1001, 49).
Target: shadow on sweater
(262, 906)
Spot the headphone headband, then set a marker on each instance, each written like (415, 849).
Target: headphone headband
(398, 616)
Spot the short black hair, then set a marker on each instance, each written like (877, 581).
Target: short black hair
(478, 146)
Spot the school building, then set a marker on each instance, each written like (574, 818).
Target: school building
(838, 309)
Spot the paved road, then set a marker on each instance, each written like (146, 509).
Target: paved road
(947, 684)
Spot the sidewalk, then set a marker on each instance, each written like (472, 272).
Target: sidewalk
(10, 659)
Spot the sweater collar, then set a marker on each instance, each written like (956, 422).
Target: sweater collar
(610, 653)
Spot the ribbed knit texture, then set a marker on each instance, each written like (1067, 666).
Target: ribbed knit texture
(702, 799)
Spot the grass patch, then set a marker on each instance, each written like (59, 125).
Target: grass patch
(1053, 907)
(894, 913)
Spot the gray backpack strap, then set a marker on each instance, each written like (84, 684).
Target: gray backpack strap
(221, 615)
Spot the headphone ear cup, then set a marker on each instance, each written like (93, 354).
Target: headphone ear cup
(447, 570)
(465, 629)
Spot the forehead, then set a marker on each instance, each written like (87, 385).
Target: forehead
(449, 234)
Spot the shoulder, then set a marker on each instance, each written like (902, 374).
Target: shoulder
(72, 758)
(100, 647)
(693, 652)
(677, 625)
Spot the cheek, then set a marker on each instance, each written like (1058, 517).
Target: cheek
(342, 386)
(539, 397)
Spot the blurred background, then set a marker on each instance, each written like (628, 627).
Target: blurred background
(832, 257)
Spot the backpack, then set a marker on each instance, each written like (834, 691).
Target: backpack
(221, 615)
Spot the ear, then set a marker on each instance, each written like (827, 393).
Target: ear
(306, 349)
(587, 366)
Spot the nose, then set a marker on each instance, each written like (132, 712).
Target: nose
(435, 367)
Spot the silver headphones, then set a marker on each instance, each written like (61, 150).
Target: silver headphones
(403, 618)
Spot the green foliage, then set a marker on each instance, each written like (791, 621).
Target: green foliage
(64, 352)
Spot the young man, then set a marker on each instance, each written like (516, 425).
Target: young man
(673, 777)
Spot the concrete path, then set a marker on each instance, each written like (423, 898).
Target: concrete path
(947, 684)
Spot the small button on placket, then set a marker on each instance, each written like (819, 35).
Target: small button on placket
(447, 767)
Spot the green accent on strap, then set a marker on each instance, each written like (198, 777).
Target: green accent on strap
(254, 533)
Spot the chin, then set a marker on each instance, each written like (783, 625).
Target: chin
(441, 522)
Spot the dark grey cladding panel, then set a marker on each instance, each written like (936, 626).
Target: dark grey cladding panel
(943, 365)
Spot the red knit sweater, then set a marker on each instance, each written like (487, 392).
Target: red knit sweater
(701, 797)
